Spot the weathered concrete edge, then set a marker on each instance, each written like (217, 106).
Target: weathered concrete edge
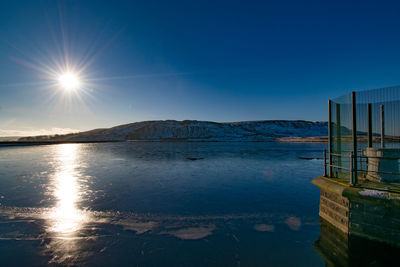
(360, 193)
(329, 185)
(380, 198)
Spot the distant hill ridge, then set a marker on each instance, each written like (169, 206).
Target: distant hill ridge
(192, 130)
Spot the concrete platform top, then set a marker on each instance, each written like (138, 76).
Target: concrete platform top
(365, 190)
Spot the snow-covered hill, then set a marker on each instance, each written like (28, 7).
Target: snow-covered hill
(171, 130)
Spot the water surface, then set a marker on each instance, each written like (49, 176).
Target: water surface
(151, 203)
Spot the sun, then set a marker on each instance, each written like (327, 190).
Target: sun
(69, 81)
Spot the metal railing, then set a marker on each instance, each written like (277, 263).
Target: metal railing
(332, 168)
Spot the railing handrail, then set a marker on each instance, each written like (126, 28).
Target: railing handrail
(361, 156)
(354, 169)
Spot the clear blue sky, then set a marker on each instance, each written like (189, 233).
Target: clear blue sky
(216, 60)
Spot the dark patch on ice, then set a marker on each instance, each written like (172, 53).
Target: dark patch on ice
(194, 158)
(308, 158)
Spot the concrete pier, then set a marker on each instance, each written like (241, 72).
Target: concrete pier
(370, 211)
(341, 250)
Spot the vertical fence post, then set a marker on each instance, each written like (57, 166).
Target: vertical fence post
(382, 126)
(354, 115)
(324, 162)
(330, 137)
(338, 138)
(369, 118)
(351, 169)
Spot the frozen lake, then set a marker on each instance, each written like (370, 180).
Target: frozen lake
(153, 203)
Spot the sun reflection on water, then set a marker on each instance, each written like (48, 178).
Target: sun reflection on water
(66, 217)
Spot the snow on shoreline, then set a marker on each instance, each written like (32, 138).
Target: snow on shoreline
(171, 130)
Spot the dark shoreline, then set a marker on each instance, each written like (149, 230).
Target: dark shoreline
(35, 143)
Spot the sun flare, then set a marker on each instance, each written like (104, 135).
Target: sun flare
(69, 81)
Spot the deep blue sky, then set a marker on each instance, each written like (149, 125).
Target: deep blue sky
(219, 61)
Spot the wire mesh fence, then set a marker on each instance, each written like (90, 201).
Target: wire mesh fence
(359, 120)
